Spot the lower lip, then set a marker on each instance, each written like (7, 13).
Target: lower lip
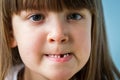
(65, 59)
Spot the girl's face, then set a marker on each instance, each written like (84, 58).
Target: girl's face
(52, 45)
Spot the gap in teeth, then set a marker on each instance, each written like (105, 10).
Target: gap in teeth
(58, 55)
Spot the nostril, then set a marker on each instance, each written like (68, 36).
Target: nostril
(61, 38)
(52, 40)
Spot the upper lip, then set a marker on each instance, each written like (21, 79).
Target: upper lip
(58, 53)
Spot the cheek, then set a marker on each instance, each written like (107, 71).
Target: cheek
(83, 46)
(30, 45)
(82, 39)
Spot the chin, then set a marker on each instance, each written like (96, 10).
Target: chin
(61, 75)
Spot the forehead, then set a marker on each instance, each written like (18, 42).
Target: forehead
(50, 5)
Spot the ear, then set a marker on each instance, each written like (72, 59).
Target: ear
(13, 42)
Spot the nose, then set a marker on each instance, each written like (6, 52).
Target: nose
(58, 33)
(57, 38)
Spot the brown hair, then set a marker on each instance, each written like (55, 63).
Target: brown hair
(99, 66)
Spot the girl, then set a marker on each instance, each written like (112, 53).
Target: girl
(54, 40)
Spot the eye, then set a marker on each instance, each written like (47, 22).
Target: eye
(74, 16)
(37, 17)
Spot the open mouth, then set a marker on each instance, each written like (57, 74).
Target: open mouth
(59, 57)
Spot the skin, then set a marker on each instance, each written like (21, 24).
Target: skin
(37, 33)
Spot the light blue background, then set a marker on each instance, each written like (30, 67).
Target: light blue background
(112, 19)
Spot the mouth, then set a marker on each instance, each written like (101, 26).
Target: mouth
(59, 57)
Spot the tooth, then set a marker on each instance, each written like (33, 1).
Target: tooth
(59, 56)
(65, 55)
(51, 55)
(55, 56)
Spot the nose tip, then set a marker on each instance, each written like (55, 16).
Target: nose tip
(58, 38)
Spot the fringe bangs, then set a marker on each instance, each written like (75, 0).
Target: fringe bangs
(50, 5)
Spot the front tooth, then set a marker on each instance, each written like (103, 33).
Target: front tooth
(58, 56)
(51, 55)
(55, 56)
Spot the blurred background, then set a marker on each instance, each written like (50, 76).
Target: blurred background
(112, 19)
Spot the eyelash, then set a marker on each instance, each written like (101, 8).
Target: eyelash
(37, 17)
(69, 17)
(74, 16)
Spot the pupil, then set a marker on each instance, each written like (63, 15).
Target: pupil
(37, 17)
(75, 16)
